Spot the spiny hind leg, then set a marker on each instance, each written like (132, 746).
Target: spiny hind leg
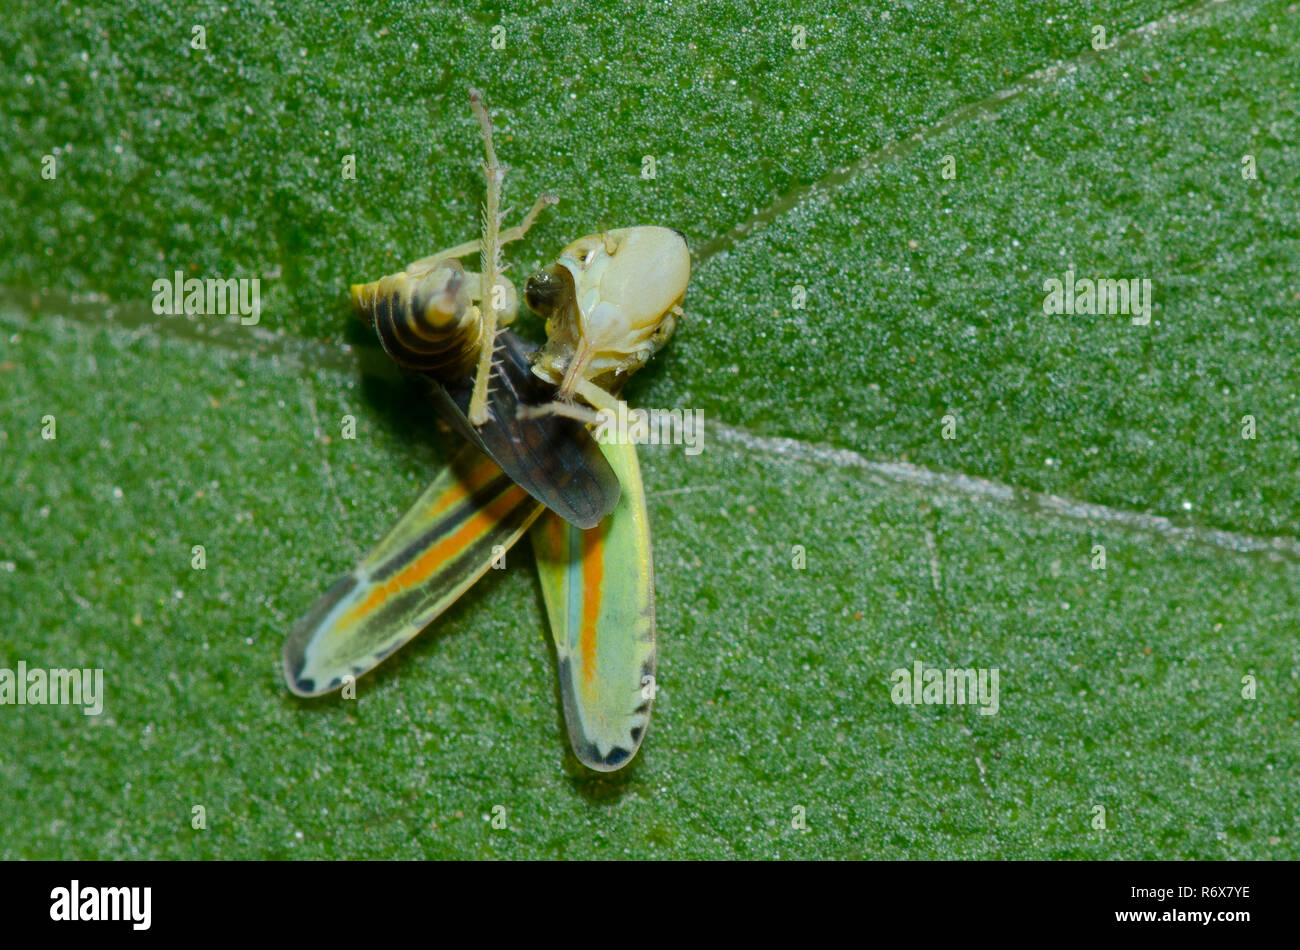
(490, 262)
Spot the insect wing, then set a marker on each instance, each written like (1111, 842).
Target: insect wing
(446, 541)
(598, 586)
(555, 459)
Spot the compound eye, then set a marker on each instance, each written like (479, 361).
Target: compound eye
(547, 290)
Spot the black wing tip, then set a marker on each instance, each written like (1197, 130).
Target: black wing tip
(612, 761)
(306, 686)
(298, 684)
(294, 664)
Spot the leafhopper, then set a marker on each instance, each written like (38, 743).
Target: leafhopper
(611, 300)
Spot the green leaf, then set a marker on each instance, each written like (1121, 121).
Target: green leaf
(820, 168)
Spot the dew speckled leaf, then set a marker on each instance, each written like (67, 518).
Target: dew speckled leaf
(820, 168)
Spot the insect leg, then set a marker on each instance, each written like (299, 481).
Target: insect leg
(425, 264)
(600, 401)
(519, 230)
(490, 257)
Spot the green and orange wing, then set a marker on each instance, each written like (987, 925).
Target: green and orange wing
(470, 514)
(598, 586)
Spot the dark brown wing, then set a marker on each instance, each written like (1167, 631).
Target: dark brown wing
(553, 458)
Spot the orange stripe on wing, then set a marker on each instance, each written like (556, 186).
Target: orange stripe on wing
(449, 547)
(483, 472)
(593, 579)
(557, 530)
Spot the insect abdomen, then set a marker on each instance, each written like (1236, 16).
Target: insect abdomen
(424, 323)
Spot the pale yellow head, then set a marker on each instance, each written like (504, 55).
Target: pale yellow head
(610, 302)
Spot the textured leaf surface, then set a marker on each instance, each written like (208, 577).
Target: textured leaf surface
(820, 168)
